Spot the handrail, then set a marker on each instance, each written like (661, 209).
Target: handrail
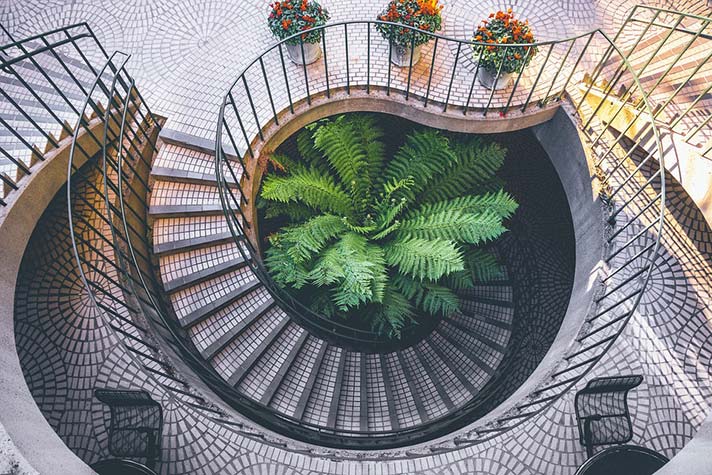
(581, 357)
(328, 328)
(603, 326)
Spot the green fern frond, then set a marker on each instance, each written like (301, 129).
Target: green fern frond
(294, 212)
(459, 280)
(453, 225)
(304, 240)
(355, 269)
(423, 156)
(284, 270)
(310, 187)
(430, 297)
(482, 265)
(500, 202)
(474, 166)
(370, 134)
(424, 259)
(341, 144)
(393, 313)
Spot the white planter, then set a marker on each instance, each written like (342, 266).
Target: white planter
(490, 80)
(312, 52)
(400, 55)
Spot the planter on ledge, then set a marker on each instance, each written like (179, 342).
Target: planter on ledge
(312, 52)
(401, 55)
(489, 79)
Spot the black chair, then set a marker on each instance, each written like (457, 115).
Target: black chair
(602, 411)
(136, 424)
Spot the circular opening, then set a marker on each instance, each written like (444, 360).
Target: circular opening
(521, 241)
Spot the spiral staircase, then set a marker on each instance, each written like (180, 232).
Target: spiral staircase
(143, 269)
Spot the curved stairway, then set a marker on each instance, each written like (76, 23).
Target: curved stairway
(258, 349)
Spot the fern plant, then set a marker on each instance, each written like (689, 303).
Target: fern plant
(386, 239)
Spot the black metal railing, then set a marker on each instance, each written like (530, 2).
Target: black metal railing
(43, 81)
(115, 134)
(289, 86)
(630, 166)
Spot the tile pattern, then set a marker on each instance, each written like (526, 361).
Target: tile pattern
(672, 352)
(184, 52)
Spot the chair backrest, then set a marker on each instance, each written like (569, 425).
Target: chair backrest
(602, 411)
(136, 423)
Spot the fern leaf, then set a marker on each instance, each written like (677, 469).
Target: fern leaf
(394, 312)
(500, 202)
(310, 187)
(354, 268)
(370, 134)
(462, 280)
(424, 259)
(453, 225)
(430, 297)
(474, 167)
(340, 143)
(304, 240)
(284, 270)
(482, 265)
(422, 157)
(294, 212)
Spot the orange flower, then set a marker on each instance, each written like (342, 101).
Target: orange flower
(286, 23)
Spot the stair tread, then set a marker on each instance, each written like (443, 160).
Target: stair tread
(205, 310)
(204, 274)
(235, 330)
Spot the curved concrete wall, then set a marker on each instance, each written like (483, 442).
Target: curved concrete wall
(30, 432)
(556, 131)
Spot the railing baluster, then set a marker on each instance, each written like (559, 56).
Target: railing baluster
(430, 74)
(538, 76)
(252, 106)
(269, 91)
(286, 78)
(326, 63)
(304, 67)
(348, 73)
(496, 79)
(452, 76)
(368, 57)
(410, 66)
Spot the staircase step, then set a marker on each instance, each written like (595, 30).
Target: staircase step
(210, 307)
(471, 330)
(184, 176)
(285, 368)
(242, 370)
(309, 384)
(192, 243)
(202, 275)
(164, 211)
(236, 330)
(457, 338)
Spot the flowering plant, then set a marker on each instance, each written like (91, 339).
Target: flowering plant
(501, 29)
(421, 14)
(293, 16)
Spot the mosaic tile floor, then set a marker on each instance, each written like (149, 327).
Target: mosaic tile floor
(187, 52)
(184, 59)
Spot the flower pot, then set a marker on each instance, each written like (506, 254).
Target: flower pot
(312, 52)
(400, 55)
(489, 79)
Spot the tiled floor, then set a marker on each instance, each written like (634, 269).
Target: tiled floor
(186, 53)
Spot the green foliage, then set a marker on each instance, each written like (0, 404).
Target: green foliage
(386, 241)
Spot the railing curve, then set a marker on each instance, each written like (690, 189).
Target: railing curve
(626, 279)
(631, 260)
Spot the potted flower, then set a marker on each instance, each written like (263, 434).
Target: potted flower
(497, 64)
(294, 16)
(421, 14)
